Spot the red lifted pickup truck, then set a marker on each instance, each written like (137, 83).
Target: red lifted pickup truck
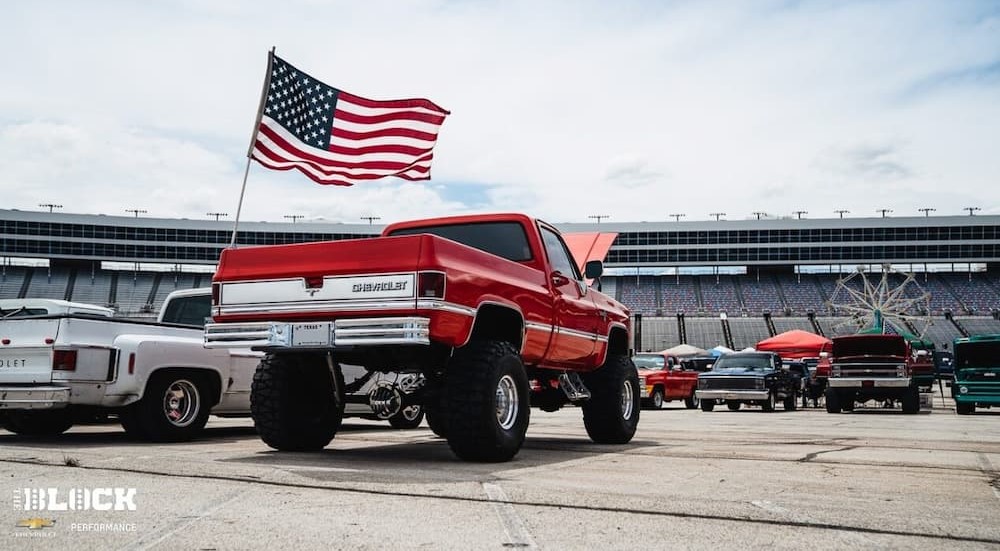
(663, 378)
(491, 309)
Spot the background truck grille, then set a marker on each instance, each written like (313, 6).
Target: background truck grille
(728, 383)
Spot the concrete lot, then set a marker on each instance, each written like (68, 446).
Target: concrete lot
(874, 479)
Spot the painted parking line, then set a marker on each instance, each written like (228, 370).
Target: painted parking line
(517, 534)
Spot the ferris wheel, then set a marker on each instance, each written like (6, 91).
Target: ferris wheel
(890, 302)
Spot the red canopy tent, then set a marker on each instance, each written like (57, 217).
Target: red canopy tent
(795, 344)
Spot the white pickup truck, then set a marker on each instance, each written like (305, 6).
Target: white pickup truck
(61, 362)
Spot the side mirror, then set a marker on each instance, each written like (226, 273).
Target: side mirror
(593, 269)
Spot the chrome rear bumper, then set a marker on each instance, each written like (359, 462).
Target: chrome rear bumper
(313, 335)
(33, 397)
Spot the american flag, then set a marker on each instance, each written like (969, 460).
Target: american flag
(335, 137)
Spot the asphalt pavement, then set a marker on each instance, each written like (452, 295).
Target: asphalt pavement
(872, 479)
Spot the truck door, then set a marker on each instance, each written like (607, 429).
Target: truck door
(575, 319)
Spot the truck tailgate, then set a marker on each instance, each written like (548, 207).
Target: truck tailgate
(26, 347)
(304, 260)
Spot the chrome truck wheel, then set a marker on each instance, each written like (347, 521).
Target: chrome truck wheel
(174, 407)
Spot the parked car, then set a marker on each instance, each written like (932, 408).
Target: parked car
(663, 378)
(749, 378)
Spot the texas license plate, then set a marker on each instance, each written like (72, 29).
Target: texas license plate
(311, 334)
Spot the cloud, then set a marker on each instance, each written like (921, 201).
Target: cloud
(865, 162)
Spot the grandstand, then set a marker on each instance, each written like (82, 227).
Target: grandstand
(703, 282)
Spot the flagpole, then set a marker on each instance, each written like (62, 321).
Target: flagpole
(253, 140)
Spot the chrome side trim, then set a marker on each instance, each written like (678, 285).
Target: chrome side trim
(315, 306)
(437, 304)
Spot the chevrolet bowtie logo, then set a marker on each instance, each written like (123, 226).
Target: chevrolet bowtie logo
(36, 523)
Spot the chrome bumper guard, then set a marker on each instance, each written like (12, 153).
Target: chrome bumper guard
(731, 394)
(33, 397)
(859, 382)
(327, 334)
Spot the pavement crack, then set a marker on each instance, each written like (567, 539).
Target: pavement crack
(810, 456)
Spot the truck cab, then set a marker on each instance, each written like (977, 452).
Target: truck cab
(977, 373)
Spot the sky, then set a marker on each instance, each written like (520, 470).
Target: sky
(566, 110)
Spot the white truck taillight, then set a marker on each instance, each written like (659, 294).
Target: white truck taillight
(64, 360)
(430, 284)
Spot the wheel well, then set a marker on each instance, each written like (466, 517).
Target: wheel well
(494, 322)
(617, 341)
(204, 375)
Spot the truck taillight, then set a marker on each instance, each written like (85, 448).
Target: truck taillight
(216, 293)
(430, 285)
(131, 363)
(64, 360)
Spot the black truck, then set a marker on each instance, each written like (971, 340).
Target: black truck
(750, 378)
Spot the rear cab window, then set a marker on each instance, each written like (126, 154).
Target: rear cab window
(503, 239)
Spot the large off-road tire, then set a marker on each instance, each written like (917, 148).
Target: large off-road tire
(707, 405)
(611, 415)
(46, 422)
(832, 401)
(791, 402)
(656, 400)
(965, 408)
(407, 418)
(911, 400)
(487, 402)
(437, 420)
(174, 408)
(692, 401)
(294, 404)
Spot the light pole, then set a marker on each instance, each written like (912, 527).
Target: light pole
(599, 217)
(370, 219)
(841, 212)
(717, 215)
(136, 212)
(883, 211)
(294, 217)
(972, 210)
(798, 213)
(758, 214)
(927, 211)
(677, 216)
(50, 206)
(217, 214)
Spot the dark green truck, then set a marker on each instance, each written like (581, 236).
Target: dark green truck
(977, 373)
